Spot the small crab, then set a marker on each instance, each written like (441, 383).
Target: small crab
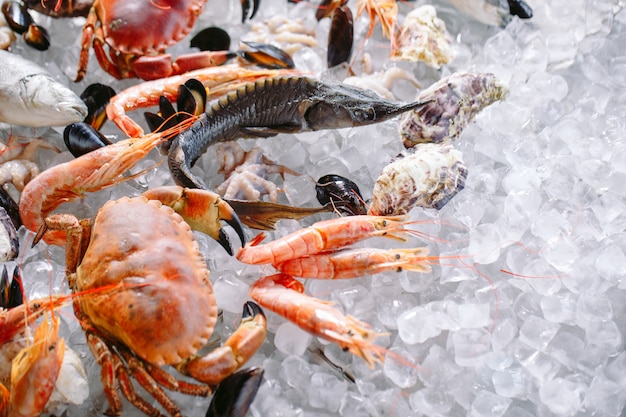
(137, 34)
(145, 299)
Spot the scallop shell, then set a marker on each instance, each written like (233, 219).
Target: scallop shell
(428, 176)
(456, 100)
(424, 37)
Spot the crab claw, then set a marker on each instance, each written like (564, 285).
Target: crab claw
(217, 365)
(245, 9)
(202, 210)
(234, 395)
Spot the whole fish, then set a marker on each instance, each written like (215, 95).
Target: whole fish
(278, 105)
(30, 96)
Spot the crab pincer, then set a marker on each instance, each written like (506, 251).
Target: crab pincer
(202, 210)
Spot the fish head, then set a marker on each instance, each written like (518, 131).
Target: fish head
(50, 103)
(339, 106)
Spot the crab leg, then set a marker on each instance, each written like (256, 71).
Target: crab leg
(237, 350)
(202, 210)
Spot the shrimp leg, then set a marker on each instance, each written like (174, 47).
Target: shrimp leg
(285, 296)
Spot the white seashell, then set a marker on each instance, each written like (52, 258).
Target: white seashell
(456, 100)
(427, 176)
(424, 37)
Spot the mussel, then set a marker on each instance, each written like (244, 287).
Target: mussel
(340, 193)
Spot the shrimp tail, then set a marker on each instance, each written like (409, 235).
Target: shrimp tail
(280, 294)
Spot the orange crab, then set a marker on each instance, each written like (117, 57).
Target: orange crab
(137, 34)
(143, 296)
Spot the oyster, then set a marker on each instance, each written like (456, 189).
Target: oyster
(427, 176)
(456, 100)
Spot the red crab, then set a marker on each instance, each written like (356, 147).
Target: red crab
(137, 34)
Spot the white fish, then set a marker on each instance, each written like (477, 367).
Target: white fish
(30, 96)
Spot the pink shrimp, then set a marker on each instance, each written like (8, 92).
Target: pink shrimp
(352, 263)
(285, 296)
(321, 236)
(88, 173)
(218, 81)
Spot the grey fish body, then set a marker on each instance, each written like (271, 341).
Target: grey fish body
(277, 105)
(30, 96)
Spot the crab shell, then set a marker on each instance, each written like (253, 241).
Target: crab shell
(146, 27)
(161, 303)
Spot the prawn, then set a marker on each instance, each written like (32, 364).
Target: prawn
(89, 173)
(35, 371)
(354, 263)
(383, 10)
(321, 236)
(218, 80)
(285, 296)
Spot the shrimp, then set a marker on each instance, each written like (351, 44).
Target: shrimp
(285, 296)
(321, 236)
(35, 371)
(354, 263)
(89, 173)
(383, 10)
(218, 80)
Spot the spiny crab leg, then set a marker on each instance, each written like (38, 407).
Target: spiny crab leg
(202, 210)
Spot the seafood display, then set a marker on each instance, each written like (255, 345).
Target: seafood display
(461, 254)
(30, 96)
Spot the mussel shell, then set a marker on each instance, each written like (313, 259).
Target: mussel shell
(340, 37)
(96, 96)
(9, 242)
(520, 9)
(267, 56)
(340, 192)
(81, 138)
(191, 98)
(234, 395)
(11, 207)
(11, 294)
(37, 37)
(245, 9)
(211, 39)
(17, 16)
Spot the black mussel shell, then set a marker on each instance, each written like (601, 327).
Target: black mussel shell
(96, 96)
(340, 37)
(327, 7)
(520, 9)
(211, 39)
(191, 99)
(341, 193)
(37, 37)
(234, 395)
(11, 294)
(11, 207)
(266, 56)
(81, 138)
(245, 9)
(17, 16)
(11, 243)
